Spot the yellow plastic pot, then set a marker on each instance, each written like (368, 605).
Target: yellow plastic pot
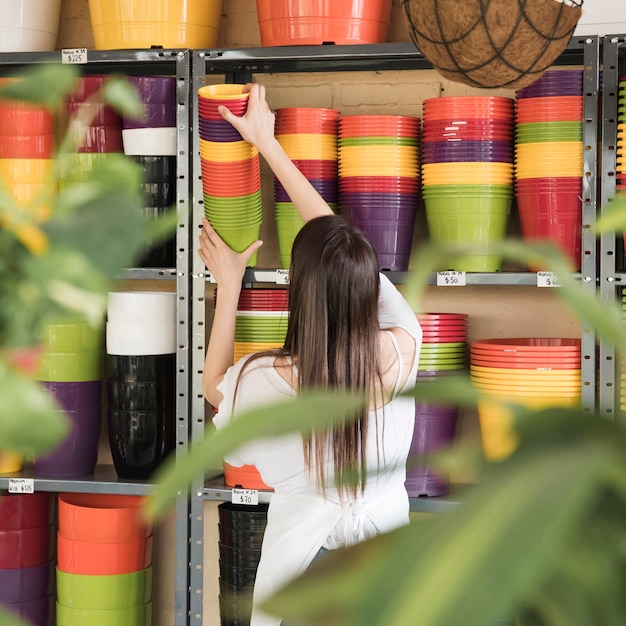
(144, 23)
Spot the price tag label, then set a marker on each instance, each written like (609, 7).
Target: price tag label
(21, 485)
(282, 277)
(450, 279)
(547, 279)
(75, 56)
(245, 496)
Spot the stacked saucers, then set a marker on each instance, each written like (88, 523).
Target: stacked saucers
(27, 144)
(549, 160)
(104, 561)
(26, 556)
(152, 142)
(443, 352)
(467, 174)
(140, 384)
(241, 530)
(71, 371)
(534, 372)
(379, 181)
(231, 174)
(309, 137)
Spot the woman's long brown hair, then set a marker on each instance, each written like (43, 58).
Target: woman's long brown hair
(332, 337)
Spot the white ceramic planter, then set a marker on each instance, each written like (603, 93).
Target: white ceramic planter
(29, 25)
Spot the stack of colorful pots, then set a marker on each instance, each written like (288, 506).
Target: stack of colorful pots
(71, 370)
(620, 149)
(467, 176)
(241, 530)
(379, 182)
(549, 160)
(94, 128)
(26, 556)
(27, 146)
(140, 381)
(231, 174)
(443, 353)
(104, 561)
(535, 372)
(309, 137)
(152, 142)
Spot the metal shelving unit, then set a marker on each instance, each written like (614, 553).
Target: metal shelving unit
(240, 66)
(104, 480)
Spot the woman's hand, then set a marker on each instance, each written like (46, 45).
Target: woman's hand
(227, 266)
(257, 125)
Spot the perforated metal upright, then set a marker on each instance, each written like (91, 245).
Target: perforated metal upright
(611, 281)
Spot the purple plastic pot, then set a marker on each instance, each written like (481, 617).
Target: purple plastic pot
(221, 133)
(435, 427)
(26, 584)
(78, 453)
(76, 395)
(25, 510)
(391, 239)
(140, 440)
(36, 612)
(155, 89)
(154, 116)
(326, 187)
(399, 213)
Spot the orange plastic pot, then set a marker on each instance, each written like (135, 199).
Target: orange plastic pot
(314, 22)
(102, 559)
(102, 518)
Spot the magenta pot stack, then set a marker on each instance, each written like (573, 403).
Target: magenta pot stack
(549, 161)
(26, 556)
(309, 137)
(379, 182)
(443, 353)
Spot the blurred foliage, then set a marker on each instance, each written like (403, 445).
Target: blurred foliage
(538, 540)
(60, 261)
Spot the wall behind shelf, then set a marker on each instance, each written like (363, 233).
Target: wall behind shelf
(494, 311)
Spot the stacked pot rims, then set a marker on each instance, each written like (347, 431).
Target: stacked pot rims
(71, 370)
(309, 137)
(151, 141)
(26, 556)
(379, 181)
(27, 145)
(141, 380)
(535, 372)
(95, 129)
(549, 160)
(241, 530)
(443, 352)
(231, 175)
(620, 152)
(104, 561)
(467, 175)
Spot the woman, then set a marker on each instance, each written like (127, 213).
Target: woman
(349, 329)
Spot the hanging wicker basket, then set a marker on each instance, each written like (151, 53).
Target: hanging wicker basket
(492, 43)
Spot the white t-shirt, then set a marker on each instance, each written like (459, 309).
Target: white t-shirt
(300, 520)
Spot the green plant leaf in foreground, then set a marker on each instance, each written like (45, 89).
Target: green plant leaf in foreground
(307, 411)
(30, 421)
(613, 216)
(7, 618)
(491, 556)
(45, 83)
